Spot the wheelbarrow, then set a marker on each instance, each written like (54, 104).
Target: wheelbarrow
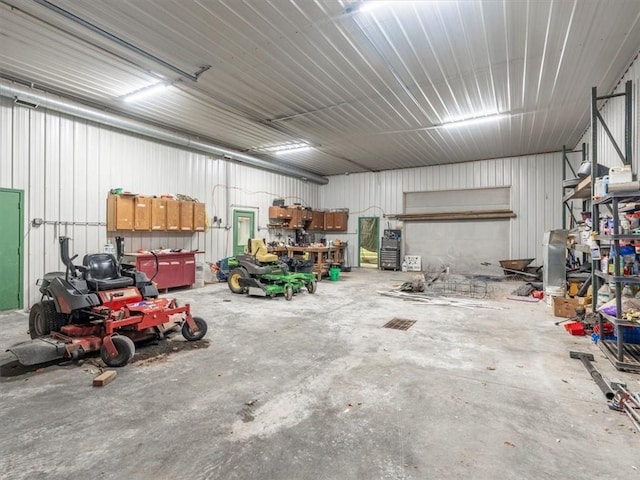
(517, 267)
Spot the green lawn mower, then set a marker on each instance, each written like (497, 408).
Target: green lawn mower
(261, 273)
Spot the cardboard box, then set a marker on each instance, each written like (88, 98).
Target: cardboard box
(566, 307)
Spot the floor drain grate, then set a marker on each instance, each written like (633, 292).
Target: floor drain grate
(399, 324)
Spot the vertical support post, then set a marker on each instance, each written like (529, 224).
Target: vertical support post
(564, 177)
(584, 202)
(594, 208)
(628, 118)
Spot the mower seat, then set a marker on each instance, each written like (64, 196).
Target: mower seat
(103, 273)
(259, 250)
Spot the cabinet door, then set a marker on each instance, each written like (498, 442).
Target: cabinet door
(186, 216)
(307, 215)
(329, 220)
(199, 217)
(296, 219)
(173, 215)
(189, 270)
(148, 266)
(120, 212)
(317, 221)
(158, 214)
(276, 213)
(340, 221)
(142, 213)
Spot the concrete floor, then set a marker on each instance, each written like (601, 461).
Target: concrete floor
(314, 388)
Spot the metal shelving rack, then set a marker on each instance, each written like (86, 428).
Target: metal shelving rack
(622, 355)
(574, 193)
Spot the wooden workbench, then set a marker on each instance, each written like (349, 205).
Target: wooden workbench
(322, 257)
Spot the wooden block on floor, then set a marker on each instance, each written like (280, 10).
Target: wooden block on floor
(104, 378)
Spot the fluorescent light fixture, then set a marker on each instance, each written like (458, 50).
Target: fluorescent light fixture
(465, 122)
(145, 92)
(371, 5)
(286, 147)
(293, 150)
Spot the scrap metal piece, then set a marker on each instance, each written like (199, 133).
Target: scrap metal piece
(586, 359)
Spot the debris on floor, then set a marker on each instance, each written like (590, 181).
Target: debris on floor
(524, 299)
(159, 352)
(447, 285)
(105, 378)
(415, 285)
(433, 300)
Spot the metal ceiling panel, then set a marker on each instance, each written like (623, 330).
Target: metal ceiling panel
(366, 89)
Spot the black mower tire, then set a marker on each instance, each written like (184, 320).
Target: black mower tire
(312, 286)
(189, 335)
(288, 292)
(125, 347)
(233, 282)
(44, 319)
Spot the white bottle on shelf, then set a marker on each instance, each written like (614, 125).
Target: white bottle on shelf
(604, 293)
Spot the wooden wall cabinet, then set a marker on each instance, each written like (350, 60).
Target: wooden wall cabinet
(341, 221)
(186, 216)
(297, 218)
(120, 212)
(280, 213)
(317, 221)
(142, 213)
(199, 217)
(173, 215)
(158, 214)
(336, 221)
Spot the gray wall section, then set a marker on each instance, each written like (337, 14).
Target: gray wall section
(67, 166)
(462, 246)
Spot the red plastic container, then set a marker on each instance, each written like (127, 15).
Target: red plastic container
(607, 327)
(537, 294)
(574, 328)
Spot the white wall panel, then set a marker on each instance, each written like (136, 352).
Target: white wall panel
(67, 166)
(536, 195)
(613, 113)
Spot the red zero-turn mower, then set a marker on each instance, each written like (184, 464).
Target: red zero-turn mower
(100, 305)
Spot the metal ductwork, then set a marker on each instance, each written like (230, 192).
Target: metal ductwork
(33, 98)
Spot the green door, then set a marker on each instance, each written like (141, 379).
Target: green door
(10, 249)
(243, 230)
(368, 241)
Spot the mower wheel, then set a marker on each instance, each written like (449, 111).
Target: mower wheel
(288, 292)
(234, 280)
(188, 334)
(125, 347)
(44, 319)
(312, 286)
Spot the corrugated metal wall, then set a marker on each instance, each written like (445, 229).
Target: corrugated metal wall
(613, 113)
(536, 195)
(67, 166)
